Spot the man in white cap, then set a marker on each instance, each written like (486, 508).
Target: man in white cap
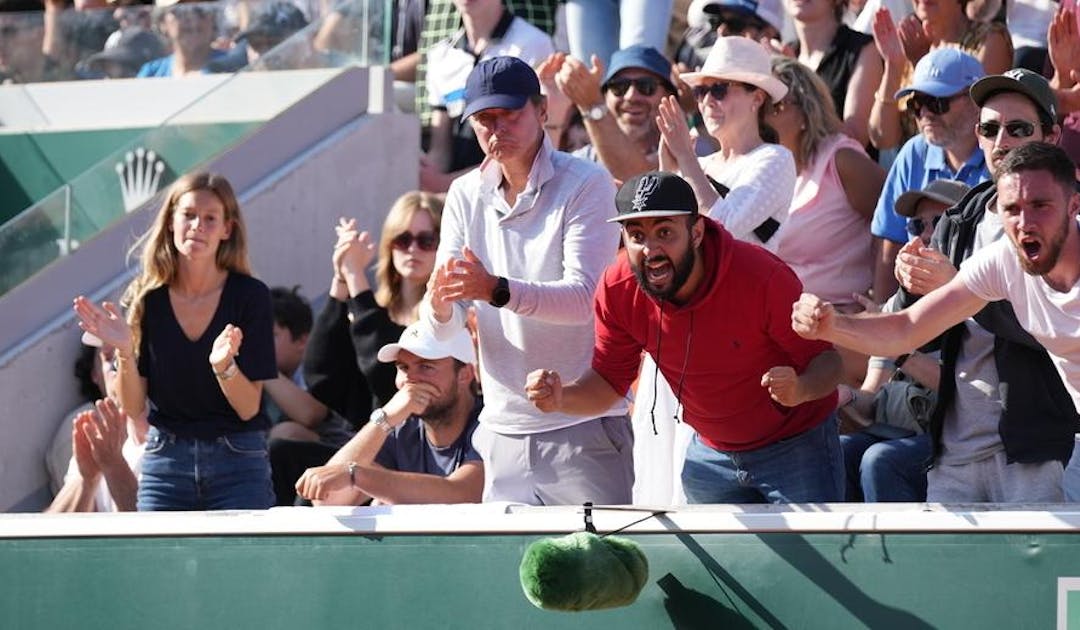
(418, 447)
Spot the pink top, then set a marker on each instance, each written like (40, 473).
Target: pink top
(824, 240)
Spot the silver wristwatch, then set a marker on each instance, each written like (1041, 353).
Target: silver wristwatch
(379, 419)
(596, 112)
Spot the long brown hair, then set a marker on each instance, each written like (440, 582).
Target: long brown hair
(809, 93)
(388, 292)
(157, 253)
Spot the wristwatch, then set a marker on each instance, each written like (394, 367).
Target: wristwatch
(596, 112)
(501, 295)
(228, 372)
(379, 419)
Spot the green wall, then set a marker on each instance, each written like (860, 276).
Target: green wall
(780, 580)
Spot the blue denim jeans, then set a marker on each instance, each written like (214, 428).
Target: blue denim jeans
(600, 27)
(231, 472)
(885, 470)
(804, 468)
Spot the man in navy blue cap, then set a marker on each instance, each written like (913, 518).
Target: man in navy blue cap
(619, 107)
(524, 241)
(945, 148)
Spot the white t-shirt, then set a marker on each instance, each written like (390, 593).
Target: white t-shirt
(103, 500)
(1052, 317)
(448, 66)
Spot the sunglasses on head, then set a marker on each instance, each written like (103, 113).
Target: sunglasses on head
(1015, 128)
(426, 241)
(937, 105)
(718, 90)
(645, 86)
(916, 225)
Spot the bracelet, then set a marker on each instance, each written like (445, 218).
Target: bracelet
(884, 99)
(352, 474)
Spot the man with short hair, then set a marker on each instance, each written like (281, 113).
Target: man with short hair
(1036, 268)
(418, 447)
(619, 107)
(945, 148)
(711, 311)
(1003, 426)
(524, 240)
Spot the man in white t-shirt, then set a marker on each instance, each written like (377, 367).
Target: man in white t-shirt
(1037, 269)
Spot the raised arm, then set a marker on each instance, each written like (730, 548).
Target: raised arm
(242, 393)
(108, 324)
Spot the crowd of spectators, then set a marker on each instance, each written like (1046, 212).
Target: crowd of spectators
(591, 297)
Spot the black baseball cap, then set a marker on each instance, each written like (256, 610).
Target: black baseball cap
(654, 194)
(499, 82)
(1022, 81)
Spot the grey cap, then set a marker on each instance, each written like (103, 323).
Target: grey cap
(946, 191)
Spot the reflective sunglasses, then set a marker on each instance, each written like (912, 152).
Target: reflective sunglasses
(717, 90)
(645, 86)
(933, 104)
(915, 225)
(426, 241)
(1015, 129)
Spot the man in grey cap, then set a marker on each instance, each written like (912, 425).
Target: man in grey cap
(1003, 426)
(618, 107)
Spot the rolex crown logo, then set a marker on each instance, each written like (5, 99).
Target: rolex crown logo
(140, 175)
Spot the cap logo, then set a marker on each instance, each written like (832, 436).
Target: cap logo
(1015, 73)
(646, 187)
(415, 332)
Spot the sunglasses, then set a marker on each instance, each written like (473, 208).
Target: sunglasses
(426, 241)
(718, 90)
(915, 225)
(1015, 128)
(645, 86)
(937, 105)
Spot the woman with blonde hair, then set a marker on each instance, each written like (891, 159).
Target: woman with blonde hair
(190, 310)
(826, 238)
(363, 319)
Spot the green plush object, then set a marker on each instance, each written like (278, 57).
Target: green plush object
(583, 571)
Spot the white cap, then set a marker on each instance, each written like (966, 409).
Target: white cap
(420, 340)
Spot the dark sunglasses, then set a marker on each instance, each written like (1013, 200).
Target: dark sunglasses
(915, 225)
(933, 104)
(718, 90)
(426, 241)
(645, 86)
(1015, 128)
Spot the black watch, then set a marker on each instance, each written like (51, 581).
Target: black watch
(501, 295)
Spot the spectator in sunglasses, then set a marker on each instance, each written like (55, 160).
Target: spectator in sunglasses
(360, 318)
(1004, 423)
(709, 19)
(618, 107)
(946, 147)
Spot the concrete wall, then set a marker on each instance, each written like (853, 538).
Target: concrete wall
(338, 152)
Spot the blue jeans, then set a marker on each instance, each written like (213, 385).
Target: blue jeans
(885, 470)
(231, 472)
(600, 27)
(804, 468)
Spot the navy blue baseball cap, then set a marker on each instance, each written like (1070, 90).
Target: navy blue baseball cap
(499, 82)
(643, 58)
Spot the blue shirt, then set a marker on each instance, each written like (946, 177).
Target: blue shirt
(163, 66)
(918, 164)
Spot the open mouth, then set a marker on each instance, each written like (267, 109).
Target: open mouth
(1031, 247)
(658, 271)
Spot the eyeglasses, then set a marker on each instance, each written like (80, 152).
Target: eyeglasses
(736, 24)
(1015, 128)
(779, 107)
(645, 86)
(916, 225)
(937, 105)
(717, 90)
(426, 241)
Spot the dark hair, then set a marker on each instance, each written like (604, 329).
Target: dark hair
(84, 372)
(1040, 156)
(291, 311)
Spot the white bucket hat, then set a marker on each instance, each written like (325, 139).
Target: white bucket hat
(739, 59)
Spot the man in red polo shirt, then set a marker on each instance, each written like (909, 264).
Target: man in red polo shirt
(714, 313)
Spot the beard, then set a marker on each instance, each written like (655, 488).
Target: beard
(1052, 251)
(441, 411)
(680, 272)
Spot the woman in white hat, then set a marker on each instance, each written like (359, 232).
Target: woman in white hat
(748, 184)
